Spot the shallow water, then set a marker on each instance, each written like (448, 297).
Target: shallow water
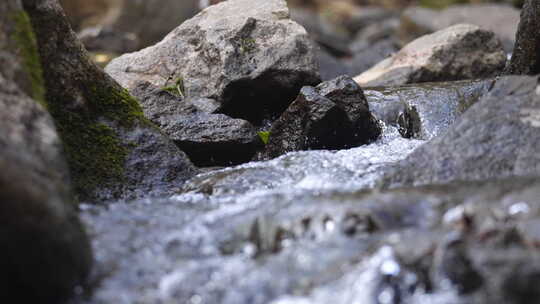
(217, 242)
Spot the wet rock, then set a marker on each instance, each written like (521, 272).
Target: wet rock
(498, 18)
(496, 138)
(212, 139)
(112, 150)
(45, 251)
(334, 115)
(251, 58)
(525, 59)
(134, 21)
(427, 110)
(456, 53)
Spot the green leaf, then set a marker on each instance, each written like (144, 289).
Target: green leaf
(265, 136)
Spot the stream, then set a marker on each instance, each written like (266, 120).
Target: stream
(218, 242)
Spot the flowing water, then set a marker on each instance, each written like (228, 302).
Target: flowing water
(298, 229)
(219, 241)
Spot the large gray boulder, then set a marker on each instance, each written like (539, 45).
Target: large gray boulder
(248, 55)
(334, 115)
(45, 252)
(496, 138)
(526, 57)
(459, 52)
(112, 150)
(498, 18)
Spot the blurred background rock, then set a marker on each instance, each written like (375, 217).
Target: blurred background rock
(351, 35)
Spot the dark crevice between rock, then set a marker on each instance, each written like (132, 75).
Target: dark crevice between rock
(218, 153)
(265, 97)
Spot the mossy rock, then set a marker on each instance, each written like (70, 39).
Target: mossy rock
(113, 152)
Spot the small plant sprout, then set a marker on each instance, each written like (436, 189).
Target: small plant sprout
(177, 88)
(265, 136)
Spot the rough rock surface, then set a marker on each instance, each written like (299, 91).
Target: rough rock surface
(526, 57)
(456, 53)
(208, 139)
(212, 139)
(45, 251)
(158, 102)
(248, 55)
(334, 115)
(496, 138)
(424, 111)
(500, 19)
(112, 150)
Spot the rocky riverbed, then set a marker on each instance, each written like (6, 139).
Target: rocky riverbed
(269, 152)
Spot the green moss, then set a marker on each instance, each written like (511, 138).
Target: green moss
(92, 136)
(95, 154)
(247, 45)
(27, 44)
(116, 104)
(265, 136)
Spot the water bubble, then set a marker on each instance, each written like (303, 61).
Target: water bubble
(454, 215)
(196, 299)
(519, 208)
(329, 225)
(250, 250)
(386, 296)
(390, 267)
